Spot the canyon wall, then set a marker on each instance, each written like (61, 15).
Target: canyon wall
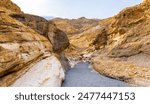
(29, 55)
(119, 46)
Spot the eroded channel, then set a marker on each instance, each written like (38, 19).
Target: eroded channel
(84, 76)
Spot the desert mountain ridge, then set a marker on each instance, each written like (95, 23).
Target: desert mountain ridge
(75, 26)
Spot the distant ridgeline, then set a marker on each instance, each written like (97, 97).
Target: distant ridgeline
(48, 17)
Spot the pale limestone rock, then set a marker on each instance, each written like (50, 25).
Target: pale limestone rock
(46, 73)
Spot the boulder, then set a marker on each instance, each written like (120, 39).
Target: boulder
(58, 39)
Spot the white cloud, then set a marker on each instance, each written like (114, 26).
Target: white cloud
(74, 8)
(38, 7)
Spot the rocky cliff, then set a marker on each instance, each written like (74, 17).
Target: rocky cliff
(24, 49)
(128, 36)
(48, 29)
(119, 46)
(37, 23)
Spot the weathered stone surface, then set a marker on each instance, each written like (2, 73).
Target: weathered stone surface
(20, 46)
(57, 37)
(47, 72)
(128, 36)
(123, 70)
(123, 36)
(39, 24)
(135, 23)
(23, 49)
(86, 42)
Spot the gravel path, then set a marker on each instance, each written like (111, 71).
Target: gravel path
(82, 76)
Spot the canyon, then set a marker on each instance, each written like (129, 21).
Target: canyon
(38, 52)
(118, 47)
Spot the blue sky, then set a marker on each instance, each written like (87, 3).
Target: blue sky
(75, 8)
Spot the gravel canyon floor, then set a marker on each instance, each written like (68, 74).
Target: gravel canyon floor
(84, 76)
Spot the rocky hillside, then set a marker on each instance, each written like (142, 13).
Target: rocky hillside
(119, 46)
(129, 31)
(128, 39)
(25, 48)
(75, 26)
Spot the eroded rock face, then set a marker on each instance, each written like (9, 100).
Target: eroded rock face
(128, 36)
(47, 72)
(129, 31)
(23, 49)
(20, 46)
(57, 37)
(39, 24)
(123, 35)
(115, 42)
(86, 42)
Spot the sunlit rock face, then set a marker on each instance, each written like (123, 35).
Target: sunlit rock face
(128, 46)
(129, 31)
(117, 45)
(22, 51)
(20, 46)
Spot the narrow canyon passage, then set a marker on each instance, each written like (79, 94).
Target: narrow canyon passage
(83, 76)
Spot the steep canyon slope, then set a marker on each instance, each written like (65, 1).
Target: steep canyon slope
(119, 46)
(24, 46)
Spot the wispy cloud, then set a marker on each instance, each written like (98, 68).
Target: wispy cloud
(75, 8)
